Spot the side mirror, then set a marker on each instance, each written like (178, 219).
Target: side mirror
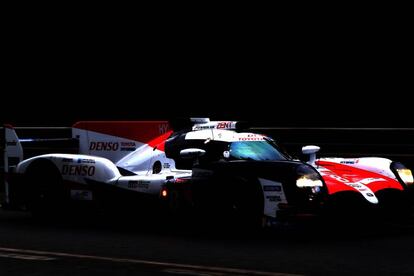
(311, 151)
(192, 153)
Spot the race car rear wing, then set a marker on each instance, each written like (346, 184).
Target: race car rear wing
(12, 148)
(12, 154)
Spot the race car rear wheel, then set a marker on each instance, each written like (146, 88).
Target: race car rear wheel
(46, 196)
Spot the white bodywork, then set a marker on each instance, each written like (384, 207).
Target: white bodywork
(273, 195)
(80, 169)
(223, 135)
(101, 156)
(129, 154)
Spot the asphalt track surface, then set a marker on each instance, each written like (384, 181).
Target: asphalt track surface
(111, 247)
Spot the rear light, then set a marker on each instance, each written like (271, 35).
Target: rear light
(171, 184)
(181, 180)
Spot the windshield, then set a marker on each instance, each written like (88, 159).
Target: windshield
(255, 150)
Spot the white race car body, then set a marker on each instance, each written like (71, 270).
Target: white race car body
(123, 155)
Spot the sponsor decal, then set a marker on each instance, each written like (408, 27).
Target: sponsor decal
(142, 184)
(252, 137)
(355, 185)
(128, 146)
(272, 188)
(273, 195)
(370, 180)
(369, 194)
(78, 170)
(166, 165)
(67, 160)
(104, 146)
(224, 125)
(274, 198)
(163, 128)
(204, 127)
(132, 184)
(11, 143)
(128, 149)
(87, 161)
(349, 162)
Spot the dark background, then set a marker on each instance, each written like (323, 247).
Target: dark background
(316, 73)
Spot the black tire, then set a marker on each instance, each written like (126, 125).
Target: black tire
(247, 204)
(46, 196)
(175, 206)
(179, 212)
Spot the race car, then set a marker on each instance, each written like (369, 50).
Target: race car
(247, 175)
(119, 165)
(211, 169)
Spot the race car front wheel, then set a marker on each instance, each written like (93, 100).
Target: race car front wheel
(247, 205)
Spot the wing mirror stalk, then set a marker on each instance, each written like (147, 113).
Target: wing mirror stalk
(311, 151)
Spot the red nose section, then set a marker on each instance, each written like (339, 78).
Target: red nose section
(340, 177)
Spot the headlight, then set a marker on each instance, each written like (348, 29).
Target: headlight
(308, 177)
(403, 173)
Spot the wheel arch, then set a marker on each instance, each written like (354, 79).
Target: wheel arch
(41, 164)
